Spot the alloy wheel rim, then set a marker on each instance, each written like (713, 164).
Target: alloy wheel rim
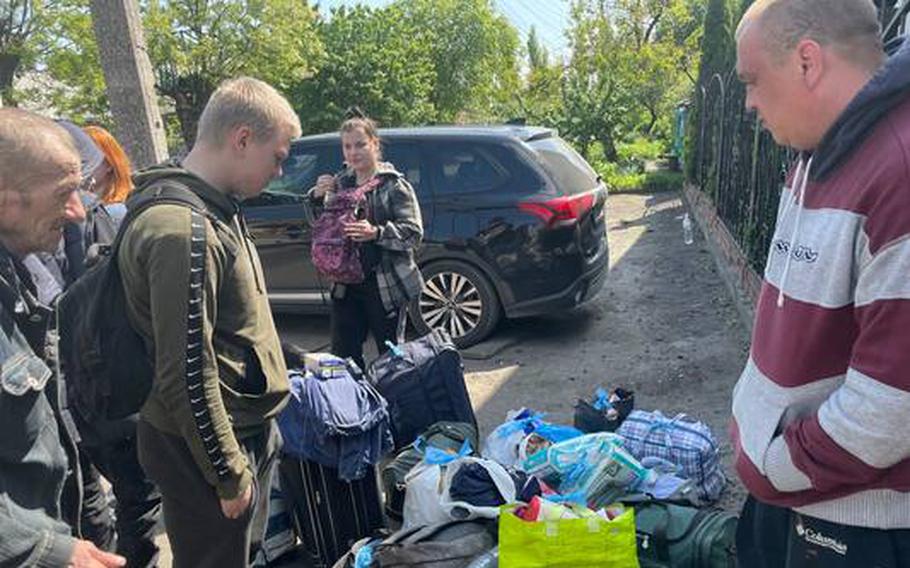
(450, 301)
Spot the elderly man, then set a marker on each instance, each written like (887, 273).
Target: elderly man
(39, 177)
(821, 430)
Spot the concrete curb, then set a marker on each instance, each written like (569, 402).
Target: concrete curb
(742, 281)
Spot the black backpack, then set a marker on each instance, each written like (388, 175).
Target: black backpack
(107, 368)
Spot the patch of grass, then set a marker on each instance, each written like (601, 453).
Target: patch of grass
(650, 182)
(663, 180)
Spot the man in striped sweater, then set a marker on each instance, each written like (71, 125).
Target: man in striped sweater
(821, 413)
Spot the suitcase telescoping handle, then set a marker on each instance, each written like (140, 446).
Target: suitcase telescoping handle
(399, 333)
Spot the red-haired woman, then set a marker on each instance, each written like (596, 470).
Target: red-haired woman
(112, 178)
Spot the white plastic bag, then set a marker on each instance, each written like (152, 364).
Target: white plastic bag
(501, 446)
(423, 496)
(424, 487)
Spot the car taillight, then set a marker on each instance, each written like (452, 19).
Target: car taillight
(559, 211)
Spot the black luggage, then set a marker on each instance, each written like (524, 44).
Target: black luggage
(423, 383)
(452, 544)
(328, 514)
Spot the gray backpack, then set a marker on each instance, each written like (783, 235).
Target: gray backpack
(453, 544)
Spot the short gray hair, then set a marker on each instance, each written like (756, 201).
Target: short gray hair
(30, 148)
(850, 27)
(246, 101)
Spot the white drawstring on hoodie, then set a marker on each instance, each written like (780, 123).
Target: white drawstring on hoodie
(800, 181)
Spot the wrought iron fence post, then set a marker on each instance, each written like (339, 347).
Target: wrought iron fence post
(701, 137)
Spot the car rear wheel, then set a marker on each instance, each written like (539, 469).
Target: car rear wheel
(459, 299)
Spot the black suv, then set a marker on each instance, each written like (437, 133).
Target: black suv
(513, 223)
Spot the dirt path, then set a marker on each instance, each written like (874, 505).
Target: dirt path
(664, 325)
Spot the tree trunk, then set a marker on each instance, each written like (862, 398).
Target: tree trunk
(654, 118)
(130, 85)
(609, 147)
(9, 63)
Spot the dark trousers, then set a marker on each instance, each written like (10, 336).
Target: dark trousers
(96, 519)
(773, 537)
(199, 533)
(138, 502)
(356, 313)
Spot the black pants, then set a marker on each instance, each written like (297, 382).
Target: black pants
(138, 502)
(360, 311)
(773, 537)
(96, 519)
(199, 533)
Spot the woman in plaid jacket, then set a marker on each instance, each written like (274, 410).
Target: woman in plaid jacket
(389, 233)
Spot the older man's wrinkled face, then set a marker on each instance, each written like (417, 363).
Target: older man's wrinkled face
(774, 89)
(34, 212)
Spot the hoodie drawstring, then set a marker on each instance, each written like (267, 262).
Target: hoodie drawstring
(800, 181)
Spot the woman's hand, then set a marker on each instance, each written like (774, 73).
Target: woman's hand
(361, 231)
(324, 184)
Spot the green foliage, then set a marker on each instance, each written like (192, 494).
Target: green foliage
(371, 60)
(659, 181)
(632, 62)
(474, 52)
(18, 19)
(538, 56)
(73, 84)
(634, 155)
(718, 56)
(196, 45)
(646, 182)
(413, 62)
(52, 42)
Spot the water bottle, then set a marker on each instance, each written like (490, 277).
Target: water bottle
(688, 238)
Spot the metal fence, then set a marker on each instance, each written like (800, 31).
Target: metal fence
(738, 164)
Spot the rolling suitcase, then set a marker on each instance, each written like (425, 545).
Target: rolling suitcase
(423, 383)
(328, 514)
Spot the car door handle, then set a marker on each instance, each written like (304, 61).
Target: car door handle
(294, 232)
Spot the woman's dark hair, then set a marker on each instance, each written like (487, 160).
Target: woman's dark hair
(355, 118)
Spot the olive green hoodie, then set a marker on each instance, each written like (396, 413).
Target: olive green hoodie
(244, 379)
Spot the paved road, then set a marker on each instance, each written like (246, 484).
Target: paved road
(663, 325)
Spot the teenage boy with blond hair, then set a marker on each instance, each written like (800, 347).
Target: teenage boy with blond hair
(195, 291)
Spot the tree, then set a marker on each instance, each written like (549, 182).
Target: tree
(594, 94)
(718, 56)
(631, 64)
(17, 23)
(73, 83)
(474, 51)
(413, 62)
(371, 59)
(196, 45)
(538, 56)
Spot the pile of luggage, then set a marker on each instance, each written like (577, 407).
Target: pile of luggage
(621, 487)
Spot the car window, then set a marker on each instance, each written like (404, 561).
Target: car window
(406, 159)
(462, 168)
(568, 170)
(300, 170)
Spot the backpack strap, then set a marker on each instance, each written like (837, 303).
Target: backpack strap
(422, 532)
(162, 193)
